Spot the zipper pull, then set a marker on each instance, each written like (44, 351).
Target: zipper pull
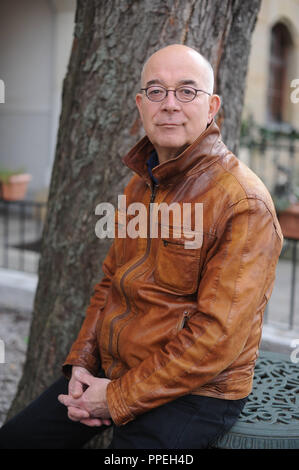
(185, 319)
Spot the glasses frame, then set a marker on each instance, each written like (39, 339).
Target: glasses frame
(174, 91)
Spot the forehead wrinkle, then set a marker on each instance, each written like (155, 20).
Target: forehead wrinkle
(179, 83)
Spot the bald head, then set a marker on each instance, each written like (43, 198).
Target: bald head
(180, 55)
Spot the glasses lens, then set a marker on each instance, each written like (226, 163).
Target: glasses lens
(185, 93)
(156, 93)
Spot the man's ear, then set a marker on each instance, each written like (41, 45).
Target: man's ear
(215, 103)
(139, 104)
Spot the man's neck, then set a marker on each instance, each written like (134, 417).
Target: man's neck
(167, 154)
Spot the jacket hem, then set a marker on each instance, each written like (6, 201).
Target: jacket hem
(216, 392)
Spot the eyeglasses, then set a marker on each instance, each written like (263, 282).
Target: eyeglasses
(185, 94)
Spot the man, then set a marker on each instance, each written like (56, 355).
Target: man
(170, 339)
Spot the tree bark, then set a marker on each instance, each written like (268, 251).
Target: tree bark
(98, 125)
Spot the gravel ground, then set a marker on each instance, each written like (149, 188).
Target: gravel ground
(14, 331)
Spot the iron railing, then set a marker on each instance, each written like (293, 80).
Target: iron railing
(21, 225)
(273, 154)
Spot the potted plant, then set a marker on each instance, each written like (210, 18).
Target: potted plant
(14, 184)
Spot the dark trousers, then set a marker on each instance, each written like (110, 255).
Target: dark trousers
(189, 422)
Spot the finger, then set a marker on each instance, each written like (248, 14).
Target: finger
(84, 378)
(76, 389)
(76, 414)
(92, 422)
(107, 422)
(67, 400)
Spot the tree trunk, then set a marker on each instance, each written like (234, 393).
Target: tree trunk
(98, 125)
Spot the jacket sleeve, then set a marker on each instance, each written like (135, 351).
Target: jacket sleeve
(84, 351)
(236, 277)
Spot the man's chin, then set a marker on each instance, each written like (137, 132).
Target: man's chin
(172, 149)
(171, 141)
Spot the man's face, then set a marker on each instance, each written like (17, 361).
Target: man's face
(170, 124)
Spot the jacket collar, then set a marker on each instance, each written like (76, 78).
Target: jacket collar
(202, 152)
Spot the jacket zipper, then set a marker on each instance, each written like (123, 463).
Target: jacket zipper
(183, 322)
(129, 270)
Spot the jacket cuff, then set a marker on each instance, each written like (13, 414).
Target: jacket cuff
(82, 359)
(119, 411)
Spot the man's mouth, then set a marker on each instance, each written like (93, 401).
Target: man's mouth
(168, 124)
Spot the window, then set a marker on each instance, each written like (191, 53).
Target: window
(281, 44)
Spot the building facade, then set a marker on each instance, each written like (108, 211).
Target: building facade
(271, 98)
(35, 43)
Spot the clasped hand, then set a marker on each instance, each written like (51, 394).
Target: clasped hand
(87, 405)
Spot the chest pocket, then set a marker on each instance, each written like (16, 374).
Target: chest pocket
(177, 266)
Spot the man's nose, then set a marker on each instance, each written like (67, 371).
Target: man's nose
(170, 102)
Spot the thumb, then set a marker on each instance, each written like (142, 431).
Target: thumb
(76, 389)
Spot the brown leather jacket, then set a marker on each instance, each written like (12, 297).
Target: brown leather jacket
(167, 321)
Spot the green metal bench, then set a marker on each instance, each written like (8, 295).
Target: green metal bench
(270, 418)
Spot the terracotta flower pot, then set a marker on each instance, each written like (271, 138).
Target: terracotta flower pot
(289, 221)
(16, 187)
